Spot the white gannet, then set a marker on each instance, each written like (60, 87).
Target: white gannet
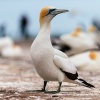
(92, 32)
(5, 41)
(13, 51)
(52, 64)
(87, 61)
(78, 42)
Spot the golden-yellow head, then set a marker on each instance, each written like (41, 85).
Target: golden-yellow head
(48, 12)
(92, 29)
(44, 12)
(15, 46)
(77, 31)
(93, 55)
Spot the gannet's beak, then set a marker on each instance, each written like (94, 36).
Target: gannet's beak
(58, 11)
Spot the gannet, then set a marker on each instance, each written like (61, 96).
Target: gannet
(92, 33)
(5, 41)
(52, 64)
(87, 61)
(13, 51)
(78, 42)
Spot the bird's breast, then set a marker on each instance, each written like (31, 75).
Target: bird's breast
(41, 53)
(42, 57)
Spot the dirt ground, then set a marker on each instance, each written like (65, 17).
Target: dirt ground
(18, 78)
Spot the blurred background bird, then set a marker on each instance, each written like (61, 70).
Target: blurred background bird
(87, 61)
(77, 41)
(13, 51)
(8, 48)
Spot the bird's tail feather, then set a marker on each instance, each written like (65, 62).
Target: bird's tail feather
(84, 83)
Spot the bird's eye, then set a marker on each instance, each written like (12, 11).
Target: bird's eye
(50, 10)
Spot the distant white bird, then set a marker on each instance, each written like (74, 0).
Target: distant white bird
(78, 42)
(52, 64)
(92, 32)
(13, 51)
(5, 41)
(87, 61)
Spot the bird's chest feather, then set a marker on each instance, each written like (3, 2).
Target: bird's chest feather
(41, 54)
(42, 57)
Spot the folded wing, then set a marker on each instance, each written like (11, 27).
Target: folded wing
(66, 67)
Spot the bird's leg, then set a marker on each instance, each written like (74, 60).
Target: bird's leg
(44, 86)
(55, 91)
(43, 89)
(59, 87)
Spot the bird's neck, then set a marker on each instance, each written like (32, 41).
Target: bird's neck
(45, 27)
(44, 33)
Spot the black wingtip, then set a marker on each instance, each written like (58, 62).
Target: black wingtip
(89, 85)
(86, 84)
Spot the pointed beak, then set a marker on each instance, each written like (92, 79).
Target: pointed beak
(58, 11)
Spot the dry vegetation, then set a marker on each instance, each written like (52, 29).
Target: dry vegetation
(18, 78)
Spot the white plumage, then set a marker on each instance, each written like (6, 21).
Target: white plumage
(5, 41)
(78, 41)
(61, 62)
(51, 64)
(92, 33)
(87, 61)
(11, 51)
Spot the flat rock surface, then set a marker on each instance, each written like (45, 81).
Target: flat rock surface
(18, 80)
